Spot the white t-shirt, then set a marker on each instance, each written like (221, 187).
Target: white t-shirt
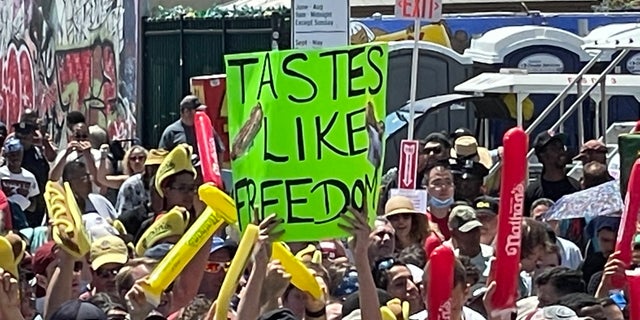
(19, 187)
(75, 155)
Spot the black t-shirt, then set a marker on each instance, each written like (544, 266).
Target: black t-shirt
(34, 161)
(553, 190)
(593, 263)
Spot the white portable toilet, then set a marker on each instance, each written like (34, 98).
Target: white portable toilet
(440, 69)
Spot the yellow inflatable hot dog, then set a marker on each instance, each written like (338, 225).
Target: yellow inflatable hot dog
(66, 218)
(301, 278)
(220, 209)
(236, 269)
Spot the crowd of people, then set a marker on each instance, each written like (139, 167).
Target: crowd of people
(134, 210)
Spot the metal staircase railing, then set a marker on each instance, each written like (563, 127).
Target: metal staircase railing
(582, 96)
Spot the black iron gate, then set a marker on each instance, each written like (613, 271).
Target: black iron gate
(173, 51)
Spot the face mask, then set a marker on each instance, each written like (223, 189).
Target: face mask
(437, 203)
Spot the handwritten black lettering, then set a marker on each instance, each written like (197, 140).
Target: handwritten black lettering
(300, 139)
(355, 72)
(334, 68)
(295, 74)
(267, 67)
(336, 195)
(264, 201)
(248, 202)
(343, 188)
(291, 218)
(268, 156)
(321, 136)
(242, 63)
(351, 131)
(374, 66)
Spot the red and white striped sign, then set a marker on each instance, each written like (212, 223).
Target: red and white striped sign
(407, 169)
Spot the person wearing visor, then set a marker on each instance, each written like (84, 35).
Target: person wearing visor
(215, 270)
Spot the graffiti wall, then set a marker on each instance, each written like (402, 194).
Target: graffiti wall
(58, 56)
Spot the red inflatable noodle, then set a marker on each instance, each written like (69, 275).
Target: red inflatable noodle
(506, 266)
(430, 244)
(441, 265)
(633, 276)
(207, 149)
(629, 220)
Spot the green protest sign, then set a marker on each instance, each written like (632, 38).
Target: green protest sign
(306, 132)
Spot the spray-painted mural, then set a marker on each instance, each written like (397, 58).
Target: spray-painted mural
(58, 56)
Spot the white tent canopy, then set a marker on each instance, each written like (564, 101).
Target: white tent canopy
(522, 83)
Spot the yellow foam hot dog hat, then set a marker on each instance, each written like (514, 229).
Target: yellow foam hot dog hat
(66, 218)
(11, 253)
(173, 223)
(178, 160)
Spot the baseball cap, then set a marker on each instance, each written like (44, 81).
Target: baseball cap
(191, 102)
(43, 257)
(544, 138)
(439, 138)
(591, 145)
(463, 218)
(24, 127)
(12, 145)
(486, 204)
(461, 132)
(218, 243)
(108, 249)
(78, 310)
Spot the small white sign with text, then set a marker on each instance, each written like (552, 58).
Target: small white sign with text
(320, 23)
(417, 196)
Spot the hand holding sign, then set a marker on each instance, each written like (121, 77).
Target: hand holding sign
(358, 227)
(267, 235)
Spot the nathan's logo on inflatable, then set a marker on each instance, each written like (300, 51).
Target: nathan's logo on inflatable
(515, 221)
(444, 311)
(203, 231)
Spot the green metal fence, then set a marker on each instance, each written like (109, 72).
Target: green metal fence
(176, 50)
